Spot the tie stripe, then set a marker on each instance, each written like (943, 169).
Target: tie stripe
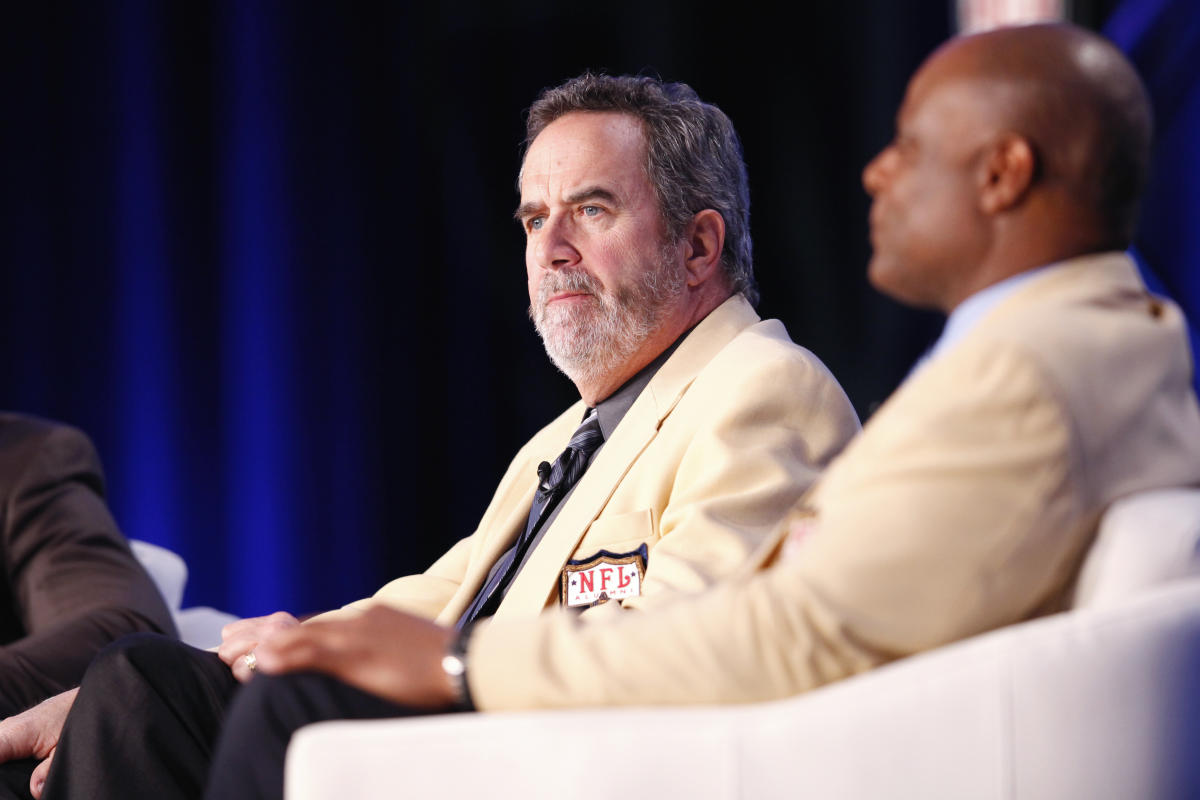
(570, 465)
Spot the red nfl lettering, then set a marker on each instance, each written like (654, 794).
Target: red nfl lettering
(624, 573)
(587, 581)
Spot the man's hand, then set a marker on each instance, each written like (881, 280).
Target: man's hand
(241, 637)
(34, 734)
(382, 651)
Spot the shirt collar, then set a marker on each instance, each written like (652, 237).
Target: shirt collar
(970, 312)
(613, 408)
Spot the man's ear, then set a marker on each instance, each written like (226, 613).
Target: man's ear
(1006, 174)
(703, 242)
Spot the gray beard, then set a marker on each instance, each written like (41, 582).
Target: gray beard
(594, 341)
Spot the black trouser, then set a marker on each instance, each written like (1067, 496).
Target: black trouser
(157, 718)
(143, 725)
(14, 779)
(253, 744)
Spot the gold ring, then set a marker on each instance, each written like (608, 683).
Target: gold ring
(251, 661)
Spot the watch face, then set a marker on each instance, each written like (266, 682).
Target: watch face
(453, 665)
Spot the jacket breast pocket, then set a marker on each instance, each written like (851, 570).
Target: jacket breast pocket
(620, 533)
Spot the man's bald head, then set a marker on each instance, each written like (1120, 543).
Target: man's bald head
(1077, 100)
(1014, 148)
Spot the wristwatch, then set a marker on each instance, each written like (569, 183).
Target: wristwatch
(454, 664)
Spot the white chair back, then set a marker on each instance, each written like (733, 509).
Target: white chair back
(166, 568)
(1145, 539)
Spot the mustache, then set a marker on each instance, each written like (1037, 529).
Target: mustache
(573, 281)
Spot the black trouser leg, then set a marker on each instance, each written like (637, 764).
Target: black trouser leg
(261, 721)
(144, 724)
(14, 779)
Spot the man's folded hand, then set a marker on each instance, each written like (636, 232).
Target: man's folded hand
(383, 651)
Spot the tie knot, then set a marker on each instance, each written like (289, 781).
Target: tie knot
(571, 463)
(587, 436)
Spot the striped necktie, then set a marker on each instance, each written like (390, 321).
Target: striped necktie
(572, 462)
(554, 481)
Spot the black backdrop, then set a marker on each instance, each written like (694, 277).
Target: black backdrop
(263, 252)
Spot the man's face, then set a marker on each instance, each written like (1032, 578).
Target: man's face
(926, 230)
(601, 276)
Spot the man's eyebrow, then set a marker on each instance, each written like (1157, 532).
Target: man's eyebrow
(527, 210)
(591, 193)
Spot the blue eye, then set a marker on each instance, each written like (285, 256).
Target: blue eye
(591, 211)
(536, 223)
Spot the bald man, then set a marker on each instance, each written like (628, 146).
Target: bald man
(969, 499)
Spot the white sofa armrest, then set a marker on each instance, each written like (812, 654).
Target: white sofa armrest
(200, 626)
(1095, 703)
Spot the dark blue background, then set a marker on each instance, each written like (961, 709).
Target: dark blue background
(263, 252)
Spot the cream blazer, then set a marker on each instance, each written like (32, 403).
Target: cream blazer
(967, 503)
(725, 438)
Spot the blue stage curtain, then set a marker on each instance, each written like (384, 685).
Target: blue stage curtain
(1162, 37)
(263, 251)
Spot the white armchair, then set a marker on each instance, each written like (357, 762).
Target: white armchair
(1099, 702)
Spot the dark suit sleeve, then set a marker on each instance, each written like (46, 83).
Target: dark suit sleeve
(72, 583)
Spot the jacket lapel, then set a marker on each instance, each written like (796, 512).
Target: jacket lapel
(506, 517)
(538, 581)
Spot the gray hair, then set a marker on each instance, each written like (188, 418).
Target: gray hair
(693, 155)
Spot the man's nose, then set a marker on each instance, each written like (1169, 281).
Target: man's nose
(554, 247)
(875, 174)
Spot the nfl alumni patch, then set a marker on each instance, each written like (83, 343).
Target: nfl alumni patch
(603, 577)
